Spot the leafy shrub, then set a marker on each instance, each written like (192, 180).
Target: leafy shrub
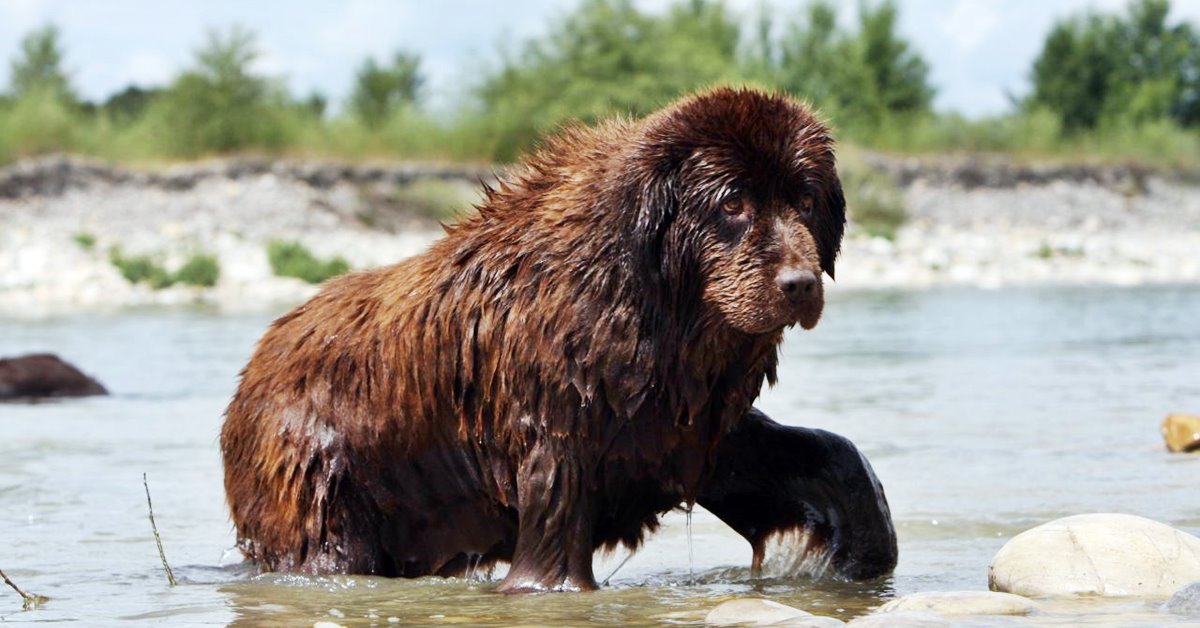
(292, 259)
(201, 269)
(140, 269)
(85, 240)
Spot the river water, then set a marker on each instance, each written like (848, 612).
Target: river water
(984, 413)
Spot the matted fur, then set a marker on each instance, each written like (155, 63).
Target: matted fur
(553, 374)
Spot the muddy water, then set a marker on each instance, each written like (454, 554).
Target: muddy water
(984, 413)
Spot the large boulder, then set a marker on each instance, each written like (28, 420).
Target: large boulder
(44, 375)
(961, 603)
(1182, 432)
(1109, 555)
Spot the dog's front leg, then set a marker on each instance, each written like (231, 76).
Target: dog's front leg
(806, 494)
(554, 536)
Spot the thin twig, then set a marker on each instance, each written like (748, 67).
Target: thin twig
(158, 539)
(618, 568)
(31, 599)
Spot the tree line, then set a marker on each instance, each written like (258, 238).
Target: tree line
(1118, 85)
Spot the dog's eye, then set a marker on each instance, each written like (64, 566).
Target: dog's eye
(806, 205)
(733, 206)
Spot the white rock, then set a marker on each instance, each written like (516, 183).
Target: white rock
(961, 603)
(753, 612)
(812, 621)
(1097, 554)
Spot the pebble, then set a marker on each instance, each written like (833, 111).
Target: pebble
(763, 612)
(899, 619)
(1182, 432)
(1110, 555)
(1186, 601)
(961, 603)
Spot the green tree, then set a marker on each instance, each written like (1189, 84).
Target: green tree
(381, 90)
(820, 62)
(860, 77)
(38, 65)
(1097, 68)
(899, 75)
(127, 105)
(607, 57)
(220, 105)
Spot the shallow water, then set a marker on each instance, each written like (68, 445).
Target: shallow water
(983, 413)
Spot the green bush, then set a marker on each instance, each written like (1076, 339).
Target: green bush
(292, 259)
(85, 240)
(201, 269)
(38, 123)
(141, 269)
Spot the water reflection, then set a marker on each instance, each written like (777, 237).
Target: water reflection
(665, 598)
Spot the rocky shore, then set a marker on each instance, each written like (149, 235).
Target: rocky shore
(973, 222)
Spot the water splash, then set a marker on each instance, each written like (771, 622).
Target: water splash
(795, 552)
(473, 560)
(691, 553)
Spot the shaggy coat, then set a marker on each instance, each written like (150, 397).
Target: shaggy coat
(558, 370)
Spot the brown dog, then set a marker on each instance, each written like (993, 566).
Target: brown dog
(564, 367)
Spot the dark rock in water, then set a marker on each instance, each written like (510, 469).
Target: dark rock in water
(44, 375)
(1186, 601)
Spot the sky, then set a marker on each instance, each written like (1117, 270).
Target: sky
(980, 51)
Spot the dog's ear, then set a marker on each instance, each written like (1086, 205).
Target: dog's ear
(831, 223)
(648, 193)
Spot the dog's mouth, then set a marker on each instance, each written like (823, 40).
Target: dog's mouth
(772, 320)
(810, 315)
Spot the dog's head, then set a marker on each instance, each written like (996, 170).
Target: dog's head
(738, 196)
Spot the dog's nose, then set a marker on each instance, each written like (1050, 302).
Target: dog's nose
(796, 283)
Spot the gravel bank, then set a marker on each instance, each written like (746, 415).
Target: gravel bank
(972, 222)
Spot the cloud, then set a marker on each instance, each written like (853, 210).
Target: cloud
(147, 69)
(969, 23)
(21, 14)
(364, 27)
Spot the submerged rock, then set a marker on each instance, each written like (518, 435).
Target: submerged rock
(900, 619)
(962, 603)
(762, 612)
(1182, 432)
(1186, 601)
(1109, 555)
(43, 375)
